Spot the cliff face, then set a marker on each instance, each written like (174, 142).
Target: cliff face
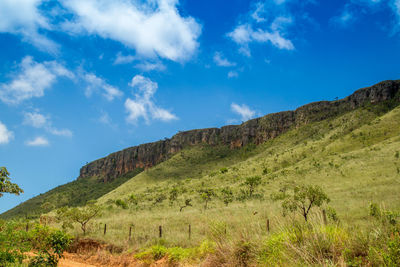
(257, 131)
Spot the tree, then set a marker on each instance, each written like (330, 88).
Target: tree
(301, 198)
(188, 203)
(227, 195)
(83, 215)
(5, 183)
(206, 195)
(173, 195)
(252, 183)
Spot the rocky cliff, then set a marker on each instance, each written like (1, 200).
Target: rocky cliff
(257, 131)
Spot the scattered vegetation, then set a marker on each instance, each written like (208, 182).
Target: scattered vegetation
(220, 192)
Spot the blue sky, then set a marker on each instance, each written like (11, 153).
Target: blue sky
(82, 79)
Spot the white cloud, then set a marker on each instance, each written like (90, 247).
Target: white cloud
(150, 66)
(95, 84)
(267, 23)
(23, 17)
(5, 134)
(221, 61)
(153, 28)
(143, 106)
(245, 34)
(60, 132)
(244, 111)
(121, 59)
(38, 141)
(233, 74)
(37, 120)
(32, 81)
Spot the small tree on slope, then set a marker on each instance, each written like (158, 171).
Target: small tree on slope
(301, 198)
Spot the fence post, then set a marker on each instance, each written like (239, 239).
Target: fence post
(27, 227)
(190, 231)
(268, 225)
(130, 232)
(160, 231)
(324, 217)
(105, 228)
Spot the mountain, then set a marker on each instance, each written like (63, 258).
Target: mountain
(199, 153)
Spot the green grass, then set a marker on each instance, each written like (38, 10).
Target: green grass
(75, 193)
(352, 157)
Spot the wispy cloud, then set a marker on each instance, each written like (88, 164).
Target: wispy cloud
(32, 80)
(221, 61)
(143, 105)
(357, 9)
(123, 59)
(233, 74)
(244, 111)
(5, 135)
(97, 84)
(40, 121)
(23, 18)
(38, 141)
(267, 22)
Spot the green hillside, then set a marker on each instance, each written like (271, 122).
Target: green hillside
(354, 158)
(75, 193)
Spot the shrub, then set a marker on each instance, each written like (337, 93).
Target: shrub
(121, 203)
(13, 243)
(223, 170)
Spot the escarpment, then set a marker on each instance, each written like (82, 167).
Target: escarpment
(255, 131)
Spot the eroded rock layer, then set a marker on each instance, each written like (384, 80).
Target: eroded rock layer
(256, 131)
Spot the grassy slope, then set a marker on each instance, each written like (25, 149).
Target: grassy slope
(75, 193)
(352, 157)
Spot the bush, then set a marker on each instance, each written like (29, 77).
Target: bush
(13, 243)
(121, 203)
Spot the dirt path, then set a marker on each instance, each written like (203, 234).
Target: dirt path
(71, 263)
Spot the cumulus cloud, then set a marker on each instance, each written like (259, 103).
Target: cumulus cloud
(97, 84)
(23, 18)
(32, 80)
(38, 141)
(221, 61)
(5, 134)
(143, 105)
(40, 121)
(153, 28)
(244, 111)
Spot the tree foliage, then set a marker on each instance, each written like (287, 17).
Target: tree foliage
(227, 195)
(252, 183)
(6, 186)
(301, 198)
(69, 216)
(206, 195)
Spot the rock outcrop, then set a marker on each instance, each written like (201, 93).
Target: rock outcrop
(256, 131)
